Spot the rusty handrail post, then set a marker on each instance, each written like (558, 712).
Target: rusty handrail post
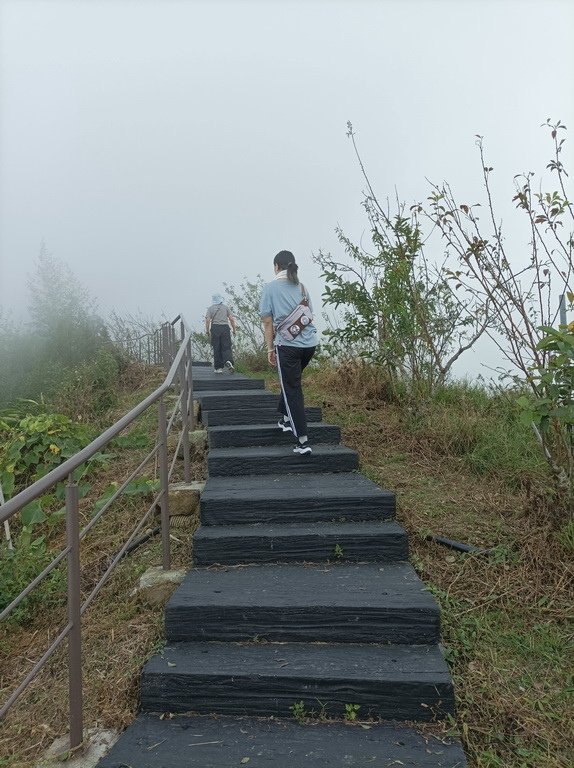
(173, 346)
(165, 345)
(189, 376)
(164, 484)
(184, 407)
(178, 380)
(76, 717)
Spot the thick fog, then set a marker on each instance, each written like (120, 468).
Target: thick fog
(162, 148)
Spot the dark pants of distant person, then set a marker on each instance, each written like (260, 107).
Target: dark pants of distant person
(221, 343)
(291, 362)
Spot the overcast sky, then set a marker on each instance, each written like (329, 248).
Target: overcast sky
(162, 147)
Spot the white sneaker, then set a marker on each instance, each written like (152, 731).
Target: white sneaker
(230, 367)
(302, 449)
(285, 426)
(218, 370)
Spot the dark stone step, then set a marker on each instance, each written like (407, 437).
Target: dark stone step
(206, 371)
(267, 679)
(224, 742)
(280, 459)
(226, 382)
(309, 542)
(293, 498)
(336, 603)
(233, 399)
(243, 435)
(260, 415)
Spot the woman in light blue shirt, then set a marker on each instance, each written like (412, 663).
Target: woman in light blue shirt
(291, 354)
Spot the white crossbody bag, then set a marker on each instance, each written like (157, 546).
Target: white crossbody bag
(297, 320)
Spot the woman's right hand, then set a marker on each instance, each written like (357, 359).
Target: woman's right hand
(272, 357)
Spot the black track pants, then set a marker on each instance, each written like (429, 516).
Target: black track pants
(291, 361)
(221, 343)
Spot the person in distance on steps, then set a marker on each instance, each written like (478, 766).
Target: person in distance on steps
(218, 318)
(291, 339)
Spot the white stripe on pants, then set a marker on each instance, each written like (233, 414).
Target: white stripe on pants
(291, 361)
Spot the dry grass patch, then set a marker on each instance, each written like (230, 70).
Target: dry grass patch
(507, 618)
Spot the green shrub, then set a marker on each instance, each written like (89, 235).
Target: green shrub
(483, 428)
(66, 335)
(507, 451)
(88, 389)
(255, 361)
(32, 445)
(19, 566)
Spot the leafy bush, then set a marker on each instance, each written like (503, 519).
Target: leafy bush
(32, 445)
(201, 346)
(398, 309)
(253, 361)
(19, 566)
(249, 342)
(66, 339)
(518, 294)
(549, 406)
(90, 388)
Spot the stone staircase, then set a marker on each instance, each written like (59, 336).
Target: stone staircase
(302, 602)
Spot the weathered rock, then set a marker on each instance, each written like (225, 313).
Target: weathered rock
(184, 497)
(197, 444)
(98, 742)
(198, 441)
(156, 585)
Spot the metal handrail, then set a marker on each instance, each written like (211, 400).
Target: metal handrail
(178, 364)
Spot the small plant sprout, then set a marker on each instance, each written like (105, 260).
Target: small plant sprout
(298, 710)
(351, 711)
(338, 551)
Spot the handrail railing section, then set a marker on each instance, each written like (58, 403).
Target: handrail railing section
(163, 347)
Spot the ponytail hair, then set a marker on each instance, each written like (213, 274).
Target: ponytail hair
(286, 260)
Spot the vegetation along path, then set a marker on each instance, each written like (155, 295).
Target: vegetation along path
(303, 636)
